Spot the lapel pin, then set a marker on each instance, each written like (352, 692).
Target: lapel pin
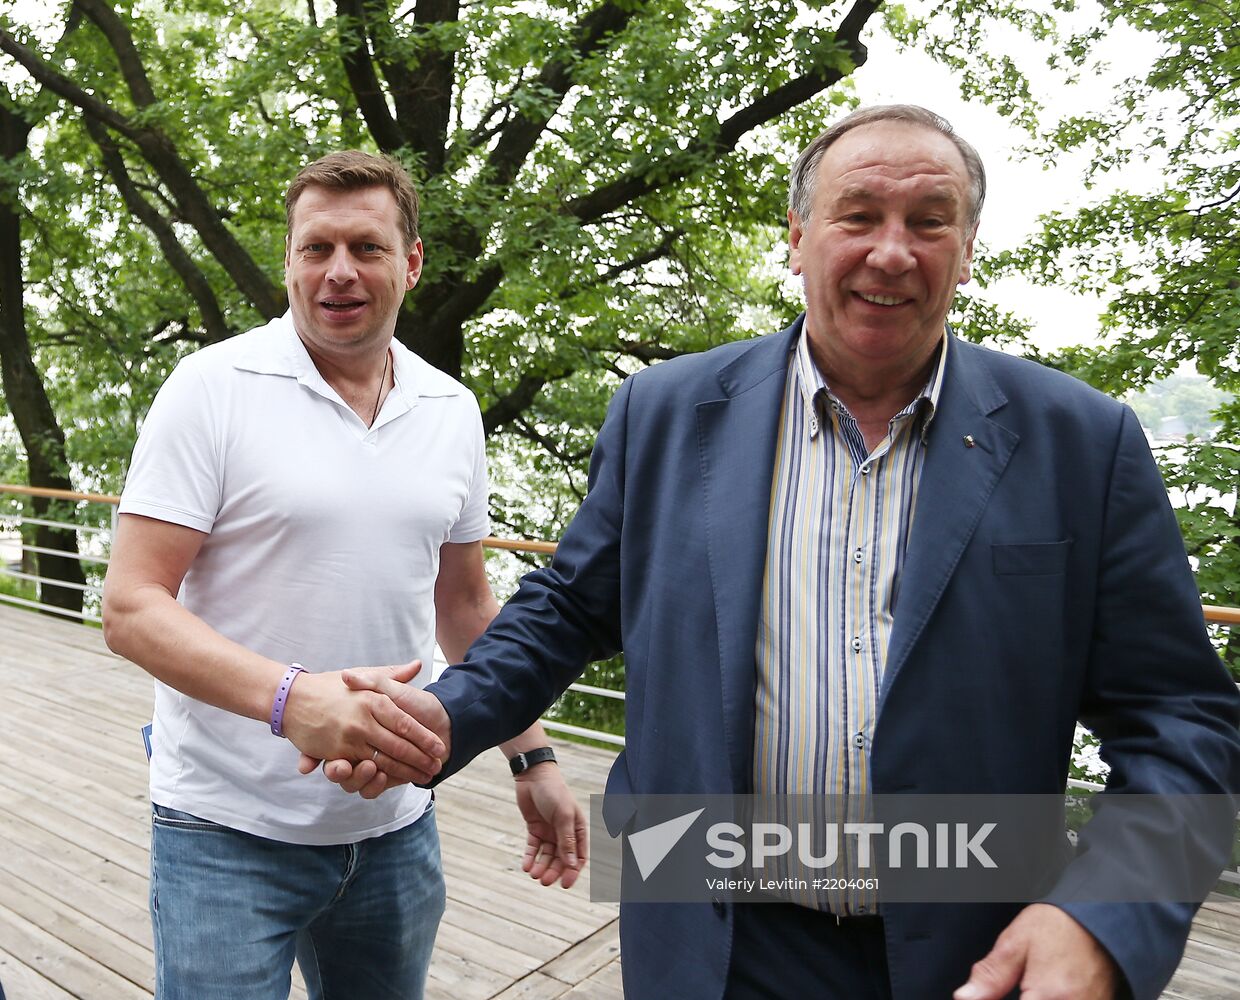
(969, 442)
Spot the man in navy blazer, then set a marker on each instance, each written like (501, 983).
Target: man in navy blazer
(1042, 581)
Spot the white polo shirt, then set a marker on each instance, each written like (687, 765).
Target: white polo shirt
(322, 549)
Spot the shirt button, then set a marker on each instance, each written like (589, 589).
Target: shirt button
(813, 426)
(856, 644)
(856, 555)
(859, 740)
(865, 470)
(862, 909)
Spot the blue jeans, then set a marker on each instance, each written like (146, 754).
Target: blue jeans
(231, 910)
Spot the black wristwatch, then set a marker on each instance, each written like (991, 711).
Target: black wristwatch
(522, 762)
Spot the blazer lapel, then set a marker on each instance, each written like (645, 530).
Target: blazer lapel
(956, 483)
(736, 446)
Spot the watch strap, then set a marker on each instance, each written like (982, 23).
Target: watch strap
(523, 761)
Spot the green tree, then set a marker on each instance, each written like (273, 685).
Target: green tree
(38, 428)
(1165, 261)
(603, 185)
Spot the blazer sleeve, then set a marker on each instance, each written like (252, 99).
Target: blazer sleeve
(561, 618)
(1166, 713)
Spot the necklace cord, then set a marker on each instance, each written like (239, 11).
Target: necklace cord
(382, 382)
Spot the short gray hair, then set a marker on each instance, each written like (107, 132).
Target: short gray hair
(805, 170)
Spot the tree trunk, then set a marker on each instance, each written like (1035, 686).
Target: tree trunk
(437, 343)
(41, 436)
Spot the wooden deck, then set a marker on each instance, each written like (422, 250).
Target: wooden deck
(74, 834)
(75, 831)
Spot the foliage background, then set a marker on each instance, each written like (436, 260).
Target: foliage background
(603, 187)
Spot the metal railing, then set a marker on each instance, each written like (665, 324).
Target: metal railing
(93, 541)
(93, 551)
(97, 539)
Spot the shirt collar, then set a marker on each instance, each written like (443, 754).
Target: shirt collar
(280, 351)
(813, 387)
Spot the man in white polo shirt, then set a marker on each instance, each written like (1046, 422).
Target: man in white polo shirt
(307, 497)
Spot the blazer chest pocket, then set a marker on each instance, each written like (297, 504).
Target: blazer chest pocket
(1031, 558)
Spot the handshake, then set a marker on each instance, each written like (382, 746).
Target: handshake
(372, 731)
(368, 727)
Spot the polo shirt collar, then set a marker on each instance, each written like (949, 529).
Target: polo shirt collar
(281, 352)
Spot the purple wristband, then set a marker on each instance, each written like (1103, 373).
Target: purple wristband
(277, 706)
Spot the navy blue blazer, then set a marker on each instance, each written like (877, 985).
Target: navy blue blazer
(1045, 581)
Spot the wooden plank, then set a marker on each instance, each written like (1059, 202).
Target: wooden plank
(472, 947)
(86, 786)
(587, 957)
(1199, 982)
(455, 977)
(110, 709)
(1222, 912)
(60, 711)
(498, 871)
(125, 914)
(535, 986)
(62, 822)
(606, 984)
(59, 963)
(522, 937)
(24, 983)
(72, 856)
(513, 910)
(82, 934)
(1222, 965)
(1226, 942)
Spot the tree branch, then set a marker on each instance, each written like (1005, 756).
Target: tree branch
(676, 166)
(511, 406)
(195, 281)
(423, 94)
(450, 307)
(64, 87)
(523, 428)
(121, 42)
(351, 28)
(468, 297)
(641, 260)
(521, 134)
(1219, 203)
(158, 150)
(483, 131)
(647, 353)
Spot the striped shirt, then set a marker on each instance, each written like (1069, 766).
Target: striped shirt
(837, 532)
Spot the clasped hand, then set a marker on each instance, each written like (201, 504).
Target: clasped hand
(361, 723)
(557, 840)
(413, 745)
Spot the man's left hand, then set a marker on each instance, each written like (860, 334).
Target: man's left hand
(557, 842)
(1049, 955)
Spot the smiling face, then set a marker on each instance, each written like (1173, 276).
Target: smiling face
(347, 269)
(886, 244)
